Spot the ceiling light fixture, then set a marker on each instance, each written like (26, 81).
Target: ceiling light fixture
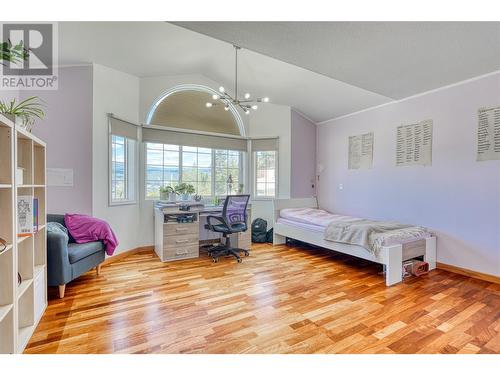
(245, 104)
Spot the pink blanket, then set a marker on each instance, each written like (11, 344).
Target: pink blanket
(86, 228)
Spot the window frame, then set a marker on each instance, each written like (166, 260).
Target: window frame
(254, 177)
(241, 169)
(130, 170)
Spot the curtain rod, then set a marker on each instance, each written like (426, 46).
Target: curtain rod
(200, 132)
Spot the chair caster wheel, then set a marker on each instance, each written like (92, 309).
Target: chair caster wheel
(239, 260)
(247, 253)
(215, 260)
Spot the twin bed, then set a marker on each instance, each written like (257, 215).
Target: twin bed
(302, 220)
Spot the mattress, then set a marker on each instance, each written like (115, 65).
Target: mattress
(312, 216)
(297, 224)
(317, 220)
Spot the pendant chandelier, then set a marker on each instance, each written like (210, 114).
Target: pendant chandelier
(245, 103)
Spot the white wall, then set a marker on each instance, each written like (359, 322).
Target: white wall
(7, 95)
(67, 130)
(273, 120)
(303, 159)
(118, 93)
(456, 197)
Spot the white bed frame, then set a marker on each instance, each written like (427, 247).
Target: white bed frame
(391, 257)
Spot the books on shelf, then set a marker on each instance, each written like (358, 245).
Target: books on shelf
(27, 215)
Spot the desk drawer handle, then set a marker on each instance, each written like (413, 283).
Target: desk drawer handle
(181, 241)
(181, 229)
(184, 253)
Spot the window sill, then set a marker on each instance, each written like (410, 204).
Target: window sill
(122, 203)
(263, 199)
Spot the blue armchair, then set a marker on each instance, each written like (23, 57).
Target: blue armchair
(67, 260)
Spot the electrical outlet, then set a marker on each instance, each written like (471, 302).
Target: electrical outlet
(341, 186)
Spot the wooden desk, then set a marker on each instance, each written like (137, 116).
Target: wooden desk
(176, 241)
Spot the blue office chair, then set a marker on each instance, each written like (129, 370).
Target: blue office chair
(233, 220)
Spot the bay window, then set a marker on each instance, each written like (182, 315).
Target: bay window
(122, 164)
(212, 172)
(265, 174)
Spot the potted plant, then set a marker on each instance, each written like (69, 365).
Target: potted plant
(167, 193)
(13, 53)
(26, 111)
(185, 191)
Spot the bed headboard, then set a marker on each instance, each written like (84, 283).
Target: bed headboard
(279, 204)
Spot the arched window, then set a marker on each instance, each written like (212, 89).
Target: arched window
(184, 107)
(214, 169)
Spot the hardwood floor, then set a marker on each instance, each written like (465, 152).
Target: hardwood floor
(279, 300)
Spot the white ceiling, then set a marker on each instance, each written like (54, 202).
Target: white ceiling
(358, 56)
(149, 49)
(395, 59)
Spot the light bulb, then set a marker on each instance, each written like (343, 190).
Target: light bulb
(221, 89)
(208, 105)
(226, 108)
(215, 97)
(255, 106)
(247, 111)
(265, 100)
(247, 95)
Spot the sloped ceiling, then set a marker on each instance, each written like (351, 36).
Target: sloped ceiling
(323, 70)
(394, 59)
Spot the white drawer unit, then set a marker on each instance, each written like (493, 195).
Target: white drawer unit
(177, 240)
(174, 240)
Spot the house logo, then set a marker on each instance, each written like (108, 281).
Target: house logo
(28, 56)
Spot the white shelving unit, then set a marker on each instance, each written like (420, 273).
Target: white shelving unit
(21, 305)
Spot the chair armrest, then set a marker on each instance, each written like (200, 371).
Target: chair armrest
(220, 219)
(58, 266)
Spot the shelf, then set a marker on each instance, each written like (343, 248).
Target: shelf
(38, 268)
(30, 186)
(23, 238)
(21, 289)
(24, 134)
(5, 121)
(26, 254)
(4, 310)
(7, 329)
(9, 247)
(24, 336)
(6, 212)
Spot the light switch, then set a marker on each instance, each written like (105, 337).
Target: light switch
(341, 186)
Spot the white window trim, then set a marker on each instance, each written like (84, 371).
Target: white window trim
(124, 202)
(241, 174)
(256, 197)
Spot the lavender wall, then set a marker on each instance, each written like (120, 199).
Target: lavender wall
(457, 197)
(303, 138)
(67, 130)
